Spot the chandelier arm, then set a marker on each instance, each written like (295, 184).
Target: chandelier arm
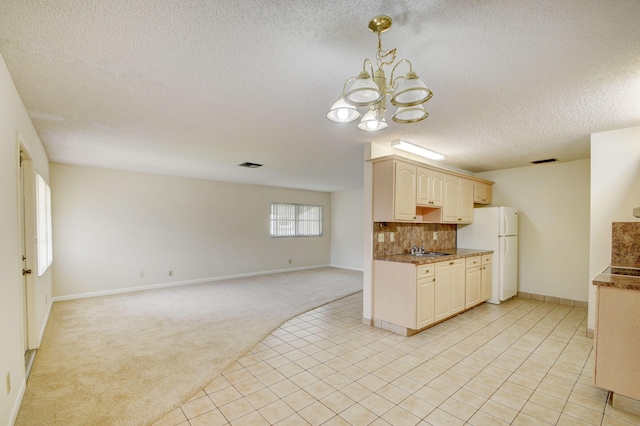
(392, 81)
(344, 88)
(364, 66)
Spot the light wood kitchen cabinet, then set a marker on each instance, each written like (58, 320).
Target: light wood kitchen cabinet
(457, 204)
(429, 187)
(403, 294)
(473, 281)
(486, 277)
(482, 193)
(425, 296)
(394, 191)
(408, 191)
(449, 290)
(617, 341)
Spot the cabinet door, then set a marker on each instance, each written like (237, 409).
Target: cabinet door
(465, 201)
(444, 278)
(423, 192)
(405, 191)
(486, 277)
(473, 284)
(450, 199)
(482, 193)
(425, 302)
(457, 291)
(436, 181)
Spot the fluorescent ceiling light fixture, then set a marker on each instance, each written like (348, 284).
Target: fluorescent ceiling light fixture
(418, 150)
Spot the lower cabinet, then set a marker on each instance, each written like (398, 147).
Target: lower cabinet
(473, 281)
(486, 278)
(449, 288)
(477, 280)
(413, 297)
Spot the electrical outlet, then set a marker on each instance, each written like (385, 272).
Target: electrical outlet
(141, 274)
(435, 235)
(289, 261)
(392, 236)
(381, 237)
(170, 273)
(8, 382)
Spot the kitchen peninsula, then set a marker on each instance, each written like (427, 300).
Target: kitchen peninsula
(617, 332)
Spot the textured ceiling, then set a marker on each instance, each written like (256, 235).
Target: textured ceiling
(194, 88)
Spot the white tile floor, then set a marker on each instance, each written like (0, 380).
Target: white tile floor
(524, 362)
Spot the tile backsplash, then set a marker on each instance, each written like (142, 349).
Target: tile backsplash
(625, 244)
(408, 234)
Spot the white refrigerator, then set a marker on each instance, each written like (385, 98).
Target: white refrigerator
(495, 228)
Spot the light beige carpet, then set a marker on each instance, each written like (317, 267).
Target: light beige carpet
(129, 359)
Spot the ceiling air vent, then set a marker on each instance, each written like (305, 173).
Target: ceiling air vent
(548, 160)
(250, 165)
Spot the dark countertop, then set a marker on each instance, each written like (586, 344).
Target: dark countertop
(625, 277)
(419, 260)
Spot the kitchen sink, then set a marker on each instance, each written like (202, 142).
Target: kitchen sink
(431, 254)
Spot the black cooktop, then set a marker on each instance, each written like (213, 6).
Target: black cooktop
(622, 270)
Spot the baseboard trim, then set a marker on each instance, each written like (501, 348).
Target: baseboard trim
(16, 406)
(553, 299)
(347, 267)
(44, 324)
(181, 283)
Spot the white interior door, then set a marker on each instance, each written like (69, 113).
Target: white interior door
(24, 322)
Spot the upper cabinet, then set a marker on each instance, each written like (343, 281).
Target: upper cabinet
(458, 200)
(404, 188)
(482, 192)
(394, 191)
(429, 187)
(407, 191)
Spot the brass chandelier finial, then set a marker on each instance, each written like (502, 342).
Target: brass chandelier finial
(370, 89)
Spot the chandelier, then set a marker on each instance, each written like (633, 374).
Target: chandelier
(371, 88)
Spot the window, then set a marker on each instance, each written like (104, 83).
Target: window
(43, 225)
(295, 220)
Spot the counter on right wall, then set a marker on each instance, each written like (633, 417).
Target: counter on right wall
(615, 192)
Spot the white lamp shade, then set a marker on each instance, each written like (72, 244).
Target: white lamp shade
(364, 92)
(343, 112)
(410, 114)
(411, 91)
(371, 122)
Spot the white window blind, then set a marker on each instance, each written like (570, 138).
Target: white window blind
(295, 220)
(43, 225)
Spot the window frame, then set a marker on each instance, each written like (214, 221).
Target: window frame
(291, 212)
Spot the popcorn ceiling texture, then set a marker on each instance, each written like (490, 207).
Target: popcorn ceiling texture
(625, 244)
(194, 88)
(408, 234)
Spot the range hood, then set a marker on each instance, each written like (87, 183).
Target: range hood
(636, 212)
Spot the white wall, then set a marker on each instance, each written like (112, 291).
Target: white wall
(615, 191)
(14, 120)
(346, 229)
(553, 200)
(110, 225)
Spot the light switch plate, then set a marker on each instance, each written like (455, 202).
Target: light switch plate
(392, 236)
(435, 235)
(381, 237)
